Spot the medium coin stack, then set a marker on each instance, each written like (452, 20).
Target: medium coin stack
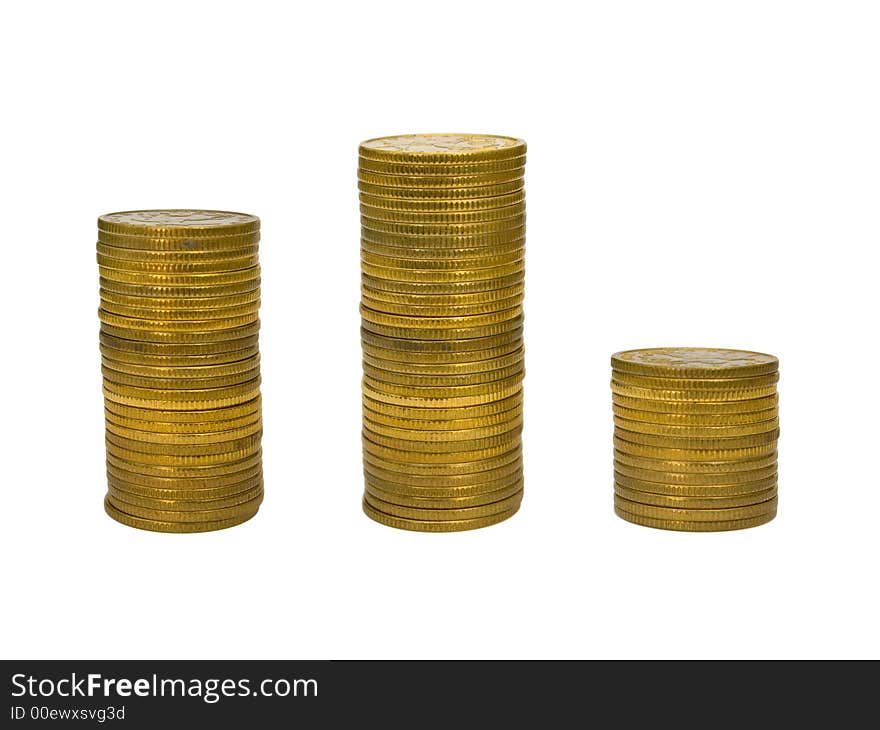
(695, 434)
(442, 246)
(180, 294)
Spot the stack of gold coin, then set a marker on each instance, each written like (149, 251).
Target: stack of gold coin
(695, 435)
(180, 294)
(442, 246)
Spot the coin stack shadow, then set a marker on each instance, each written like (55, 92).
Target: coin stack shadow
(695, 438)
(180, 296)
(442, 263)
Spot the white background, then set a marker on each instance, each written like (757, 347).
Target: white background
(700, 173)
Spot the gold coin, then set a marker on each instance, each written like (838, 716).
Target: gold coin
(695, 515)
(178, 244)
(166, 526)
(177, 268)
(424, 426)
(694, 467)
(444, 168)
(442, 193)
(195, 371)
(440, 413)
(436, 526)
(231, 481)
(442, 381)
(418, 251)
(121, 497)
(249, 388)
(456, 368)
(450, 288)
(441, 148)
(209, 430)
(662, 429)
(448, 513)
(187, 472)
(440, 205)
(188, 315)
(696, 407)
(181, 383)
(436, 276)
(436, 448)
(440, 182)
(696, 419)
(420, 437)
(410, 322)
(162, 291)
(693, 455)
(656, 383)
(439, 358)
(373, 213)
(695, 526)
(202, 515)
(440, 335)
(442, 401)
(166, 458)
(187, 303)
(217, 280)
(688, 396)
(445, 469)
(427, 345)
(134, 358)
(181, 255)
(467, 310)
(203, 338)
(686, 502)
(718, 442)
(179, 223)
(696, 362)
(465, 485)
(207, 437)
(687, 480)
(493, 259)
(706, 491)
(409, 455)
(446, 240)
(442, 392)
(173, 326)
(444, 502)
(418, 230)
(183, 492)
(185, 448)
(206, 415)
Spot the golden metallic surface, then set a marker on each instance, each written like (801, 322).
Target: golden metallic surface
(717, 467)
(722, 442)
(441, 205)
(403, 523)
(180, 363)
(706, 479)
(694, 455)
(444, 513)
(724, 384)
(690, 502)
(695, 362)
(691, 526)
(695, 437)
(444, 500)
(442, 246)
(693, 490)
(694, 395)
(728, 514)
(174, 526)
(693, 407)
(683, 431)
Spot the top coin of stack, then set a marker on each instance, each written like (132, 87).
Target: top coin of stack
(442, 247)
(180, 294)
(695, 435)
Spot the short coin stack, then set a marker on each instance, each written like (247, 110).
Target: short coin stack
(180, 294)
(442, 246)
(695, 435)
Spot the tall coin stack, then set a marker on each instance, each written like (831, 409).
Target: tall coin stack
(695, 435)
(442, 246)
(180, 294)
